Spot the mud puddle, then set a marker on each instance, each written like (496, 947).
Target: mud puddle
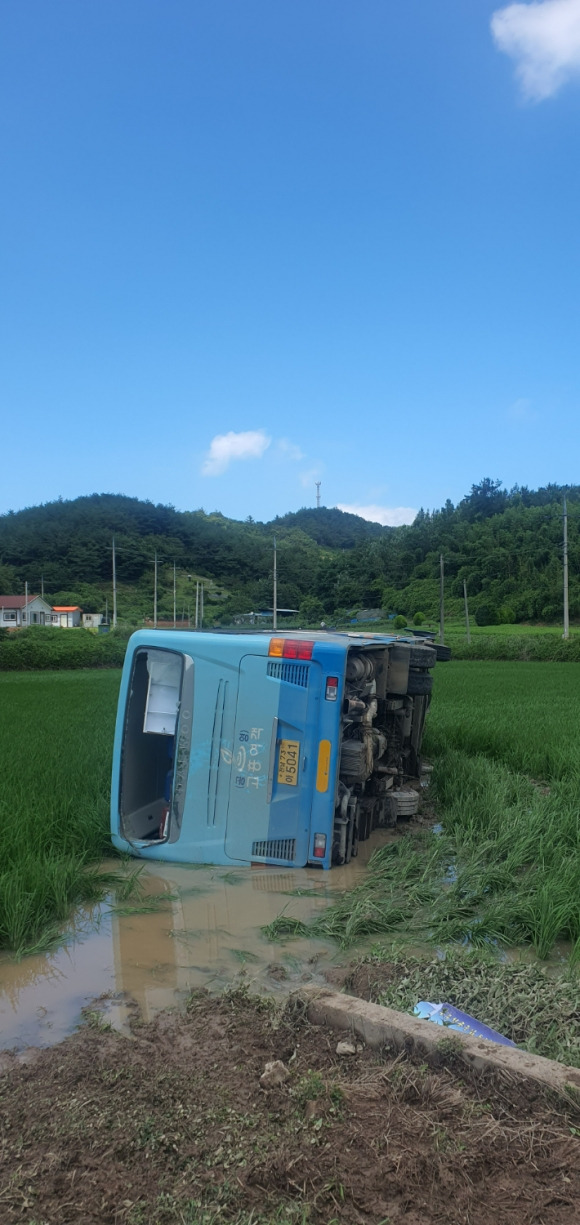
(205, 933)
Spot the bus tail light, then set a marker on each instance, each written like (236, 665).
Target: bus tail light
(319, 846)
(291, 648)
(331, 688)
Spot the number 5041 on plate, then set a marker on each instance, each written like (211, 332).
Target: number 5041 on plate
(288, 762)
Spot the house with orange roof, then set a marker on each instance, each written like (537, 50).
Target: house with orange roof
(67, 616)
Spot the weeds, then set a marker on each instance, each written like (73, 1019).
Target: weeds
(310, 1087)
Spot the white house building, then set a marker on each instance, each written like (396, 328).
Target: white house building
(16, 612)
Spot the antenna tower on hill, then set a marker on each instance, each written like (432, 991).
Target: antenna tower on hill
(318, 484)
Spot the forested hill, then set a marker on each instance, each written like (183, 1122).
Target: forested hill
(331, 528)
(506, 544)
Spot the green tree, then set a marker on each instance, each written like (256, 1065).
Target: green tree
(486, 614)
(311, 609)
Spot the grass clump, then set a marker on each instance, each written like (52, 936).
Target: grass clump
(505, 871)
(284, 927)
(400, 881)
(56, 735)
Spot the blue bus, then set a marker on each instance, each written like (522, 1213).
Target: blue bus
(266, 748)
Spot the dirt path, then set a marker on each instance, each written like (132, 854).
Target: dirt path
(172, 1127)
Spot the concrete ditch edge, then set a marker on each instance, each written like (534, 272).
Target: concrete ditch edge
(376, 1026)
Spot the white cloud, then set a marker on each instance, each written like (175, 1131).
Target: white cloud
(289, 449)
(389, 516)
(224, 448)
(544, 40)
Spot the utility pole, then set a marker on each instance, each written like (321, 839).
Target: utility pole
(466, 611)
(275, 592)
(441, 599)
(155, 596)
(25, 618)
(114, 585)
(318, 484)
(566, 633)
(42, 585)
(106, 610)
(196, 604)
(174, 599)
(201, 606)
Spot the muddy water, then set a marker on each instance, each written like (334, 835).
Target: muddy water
(205, 933)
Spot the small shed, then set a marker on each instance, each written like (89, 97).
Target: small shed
(68, 616)
(92, 621)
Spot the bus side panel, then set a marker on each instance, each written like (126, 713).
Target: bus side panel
(116, 837)
(332, 661)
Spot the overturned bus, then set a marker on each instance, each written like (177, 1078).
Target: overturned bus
(259, 748)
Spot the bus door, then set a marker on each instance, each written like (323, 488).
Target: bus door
(273, 760)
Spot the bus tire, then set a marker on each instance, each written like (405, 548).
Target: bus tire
(419, 683)
(422, 656)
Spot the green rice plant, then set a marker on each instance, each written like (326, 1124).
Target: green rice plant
(56, 734)
(152, 904)
(284, 927)
(522, 714)
(506, 868)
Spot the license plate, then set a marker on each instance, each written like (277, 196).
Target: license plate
(288, 762)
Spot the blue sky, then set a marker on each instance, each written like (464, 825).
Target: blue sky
(248, 244)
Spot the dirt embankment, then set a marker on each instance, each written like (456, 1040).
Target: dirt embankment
(173, 1126)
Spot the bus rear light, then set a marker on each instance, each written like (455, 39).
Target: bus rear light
(298, 648)
(331, 688)
(291, 648)
(319, 846)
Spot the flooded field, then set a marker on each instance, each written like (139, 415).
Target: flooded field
(205, 932)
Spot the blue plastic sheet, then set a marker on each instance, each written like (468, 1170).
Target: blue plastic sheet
(454, 1018)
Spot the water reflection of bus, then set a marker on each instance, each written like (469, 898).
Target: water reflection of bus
(209, 928)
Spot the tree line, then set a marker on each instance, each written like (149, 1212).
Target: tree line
(505, 544)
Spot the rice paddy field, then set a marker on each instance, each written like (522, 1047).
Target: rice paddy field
(503, 868)
(502, 865)
(56, 734)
